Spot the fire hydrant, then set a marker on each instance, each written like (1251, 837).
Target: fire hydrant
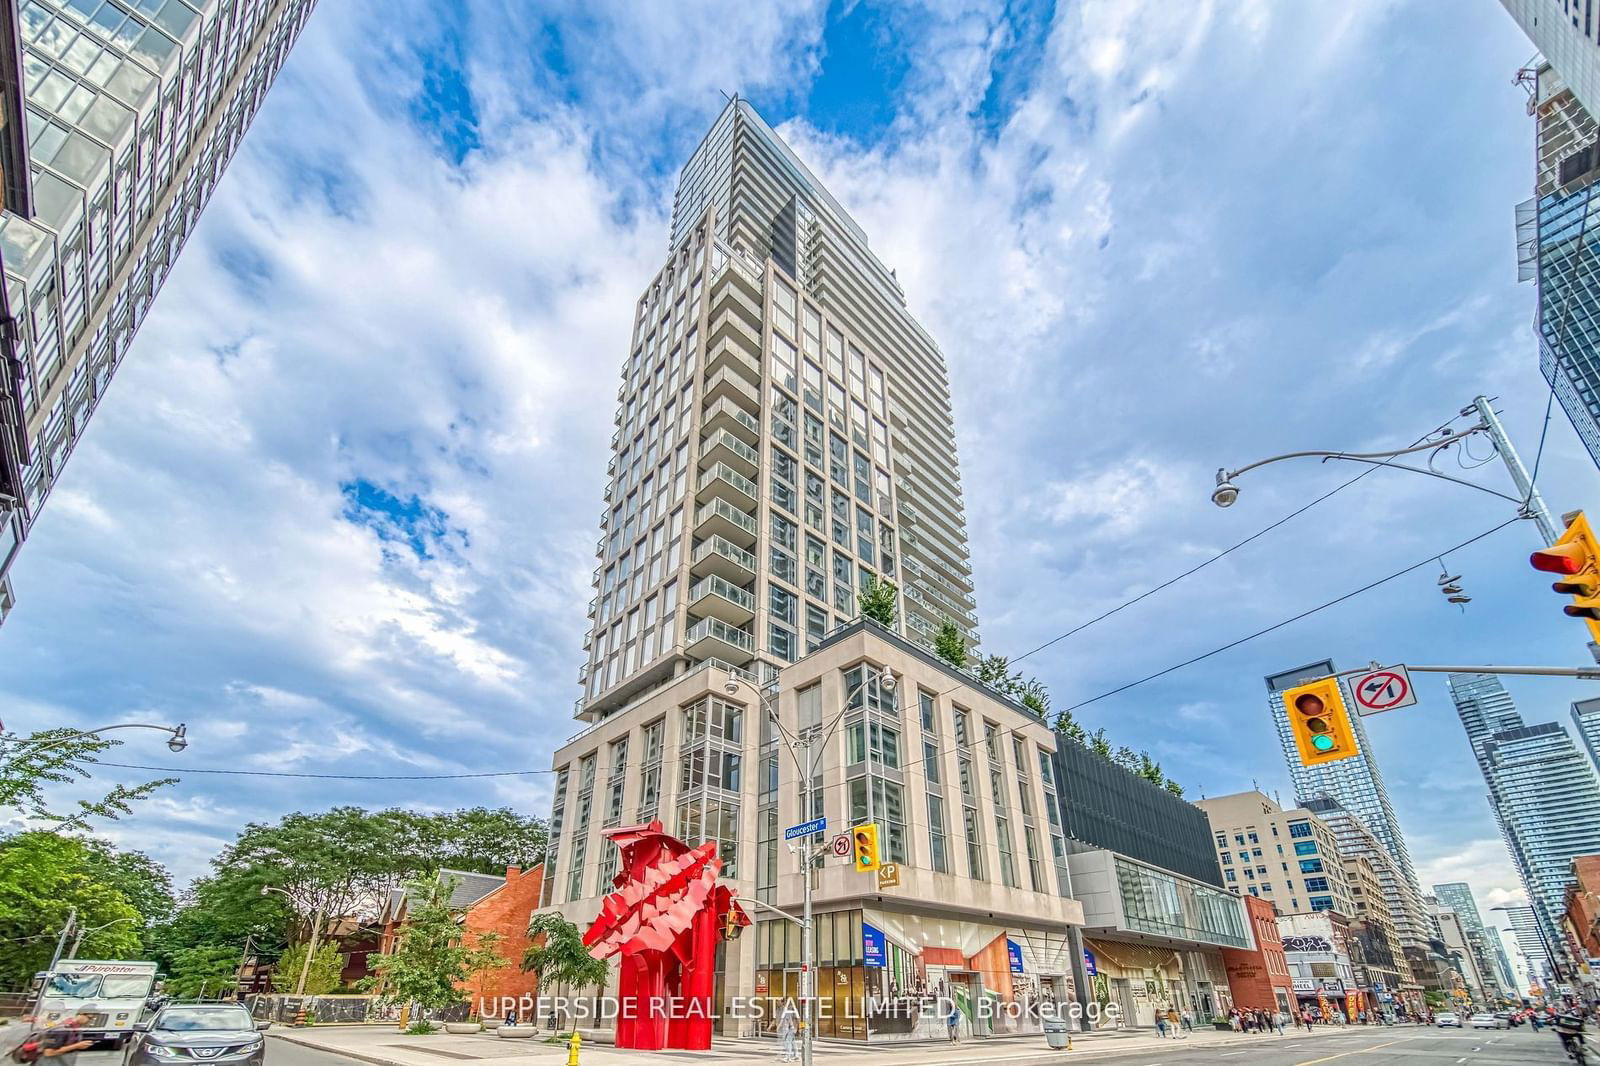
(572, 1049)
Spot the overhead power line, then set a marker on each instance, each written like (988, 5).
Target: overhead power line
(1428, 561)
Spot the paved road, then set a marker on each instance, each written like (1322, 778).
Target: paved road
(1401, 1046)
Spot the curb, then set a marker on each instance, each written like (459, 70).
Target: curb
(1038, 1057)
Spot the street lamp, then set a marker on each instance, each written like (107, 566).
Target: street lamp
(311, 949)
(77, 940)
(807, 738)
(177, 740)
(1529, 504)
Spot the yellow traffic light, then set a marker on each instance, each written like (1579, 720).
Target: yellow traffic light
(1575, 556)
(1320, 722)
(864, 839)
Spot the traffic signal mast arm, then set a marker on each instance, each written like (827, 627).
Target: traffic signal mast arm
(1587, 673)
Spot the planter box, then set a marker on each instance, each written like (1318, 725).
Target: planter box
(493, 1023)
(462, 1027)
(1226, 1027)
(516, 1032)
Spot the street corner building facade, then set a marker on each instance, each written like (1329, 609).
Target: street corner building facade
(784, 439)
(117, 118)
(1259, 977)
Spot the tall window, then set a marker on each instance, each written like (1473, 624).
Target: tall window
(930, 716)
(938, 856)
(1008, 860)
(969, 818)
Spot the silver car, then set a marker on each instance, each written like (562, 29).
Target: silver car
(186, 1033)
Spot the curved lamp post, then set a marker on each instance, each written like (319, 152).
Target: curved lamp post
(77, 941)
(177, 740)
(806, 738)
(1529, 504)
(316, 931)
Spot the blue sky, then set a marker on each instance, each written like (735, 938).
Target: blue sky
(339, 510)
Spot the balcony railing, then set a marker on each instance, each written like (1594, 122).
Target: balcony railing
(716, 586)
(739, 449)
(726, 413)
(718, 548)
(725, 382)
(717, 629)
(736, 480)
(720, 508)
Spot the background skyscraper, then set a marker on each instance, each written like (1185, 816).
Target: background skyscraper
(1569, 39)
(1586, 716)
(775, 449)
(1543, 793)
(132, 110)
(1457, 895)
(1525, 927)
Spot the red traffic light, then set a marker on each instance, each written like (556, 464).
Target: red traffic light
(1560, 559)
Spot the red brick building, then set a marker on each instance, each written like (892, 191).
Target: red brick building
(1583, 905)
(489, 905)
(1259, 976)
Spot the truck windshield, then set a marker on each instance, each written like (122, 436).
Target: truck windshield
(127, 985)
(73, 985)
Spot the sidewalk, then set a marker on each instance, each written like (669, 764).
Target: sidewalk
(385, 1045)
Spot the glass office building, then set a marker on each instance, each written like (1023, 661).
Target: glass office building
(127, 111)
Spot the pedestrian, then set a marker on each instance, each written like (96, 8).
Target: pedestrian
(1161, 1023)
(64, 1040)
(1277, 1021)
(511, 1018)
(1188, 1022)
(952, 1022)
(788, 1024)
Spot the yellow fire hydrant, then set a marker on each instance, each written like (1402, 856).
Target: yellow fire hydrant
(572, 1049)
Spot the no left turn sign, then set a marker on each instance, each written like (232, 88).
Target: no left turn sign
(1385, 689)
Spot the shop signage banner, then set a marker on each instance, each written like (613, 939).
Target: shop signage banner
(1302, 984)
(1088, 963)
(1333, 984)
(871, 945)
(1014, 953)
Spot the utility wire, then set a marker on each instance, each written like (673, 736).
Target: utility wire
(1303, 614)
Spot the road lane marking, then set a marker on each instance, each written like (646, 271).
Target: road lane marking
(1464, 1058)
(1358, 1051)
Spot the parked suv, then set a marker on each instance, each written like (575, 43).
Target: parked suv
(222, 1033)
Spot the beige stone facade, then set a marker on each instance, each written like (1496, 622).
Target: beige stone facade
(957, 778)
(1287, 857)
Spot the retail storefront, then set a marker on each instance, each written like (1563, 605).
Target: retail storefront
(886, 976)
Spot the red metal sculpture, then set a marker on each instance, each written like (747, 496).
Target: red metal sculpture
(664, 920)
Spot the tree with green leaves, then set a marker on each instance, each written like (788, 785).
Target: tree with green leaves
(142, 881)
(325, 974)
(1070, 728)
(43, 877)
(1034, 696)
(1175, 788)
(950, 645)
(194, 972)
(1150, 770)
(1100, 745)
(29, 765)
(558, 955)
(429, 960)
(484, 958)
(877, 599)
(1126, 758)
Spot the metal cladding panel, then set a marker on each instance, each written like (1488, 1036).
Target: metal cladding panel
(1106, 806)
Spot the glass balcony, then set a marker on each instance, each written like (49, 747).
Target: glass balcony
(724, 447)
(719, 518)
(715, 597)
(724, 559)
(712, 637)
(722, 480)
(724, 354)
(726, 384)
(724, 414)
(733, 296)
(731, 327)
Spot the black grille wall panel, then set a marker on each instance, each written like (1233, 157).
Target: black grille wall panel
(1105, 806)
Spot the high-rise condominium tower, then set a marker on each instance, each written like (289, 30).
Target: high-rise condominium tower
(1558, 240)
(1586, 716)
(1543, 792)
(1568, 33)
(117, 118)
(781, 439)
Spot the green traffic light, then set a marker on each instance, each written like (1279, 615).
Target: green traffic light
(1322, 743)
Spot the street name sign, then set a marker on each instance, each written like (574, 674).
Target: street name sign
(1385, 689)
(805, 829)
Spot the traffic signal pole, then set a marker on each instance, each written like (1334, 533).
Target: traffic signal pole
(1587, 673)
(1534, 505)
